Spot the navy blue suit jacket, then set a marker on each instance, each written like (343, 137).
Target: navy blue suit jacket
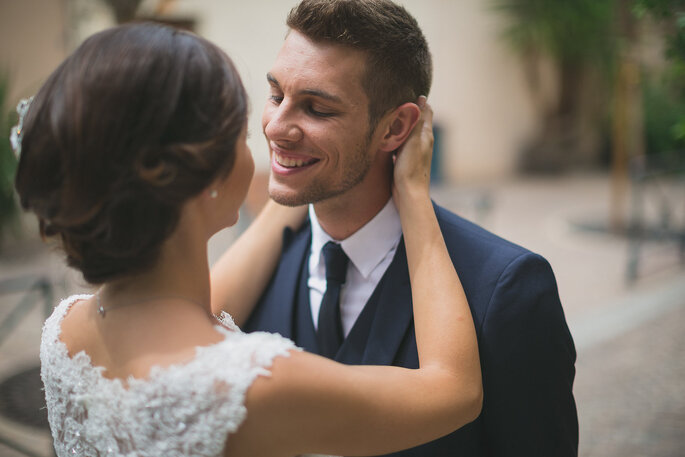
(526, 350)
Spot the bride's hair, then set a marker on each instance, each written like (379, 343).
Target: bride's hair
(136, 121)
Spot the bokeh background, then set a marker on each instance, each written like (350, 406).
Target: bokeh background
(560, 125)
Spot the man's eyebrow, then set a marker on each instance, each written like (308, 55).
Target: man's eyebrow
(321, 94)
(272, 79)
(313, 92)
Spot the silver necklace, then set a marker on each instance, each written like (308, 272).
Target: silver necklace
(102, 311)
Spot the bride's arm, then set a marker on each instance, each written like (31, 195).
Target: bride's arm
(312, 404)
(445, 334)
(240, 276)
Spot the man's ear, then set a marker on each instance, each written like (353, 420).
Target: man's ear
(399, 125)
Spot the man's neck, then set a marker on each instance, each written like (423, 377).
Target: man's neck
(342, 217)
(344, 214)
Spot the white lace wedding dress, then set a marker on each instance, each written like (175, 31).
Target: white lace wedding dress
(182, 410)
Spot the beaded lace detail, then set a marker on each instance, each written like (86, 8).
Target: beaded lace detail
(187, 409)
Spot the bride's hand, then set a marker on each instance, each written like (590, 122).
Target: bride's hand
(411, 174)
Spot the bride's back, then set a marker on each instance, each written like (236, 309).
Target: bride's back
(188, 407)
(133, 339)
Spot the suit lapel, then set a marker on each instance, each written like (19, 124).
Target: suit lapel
(282, 304)
(393, 314)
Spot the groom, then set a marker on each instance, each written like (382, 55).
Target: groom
(342, 93)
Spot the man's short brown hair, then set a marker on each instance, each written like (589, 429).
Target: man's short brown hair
(398, 67)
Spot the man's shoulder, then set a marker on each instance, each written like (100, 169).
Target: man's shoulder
(472, 239)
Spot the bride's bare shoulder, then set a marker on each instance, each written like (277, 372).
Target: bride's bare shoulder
(76, 326)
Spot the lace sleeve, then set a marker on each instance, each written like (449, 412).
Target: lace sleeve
(227, 320)
(217, 404)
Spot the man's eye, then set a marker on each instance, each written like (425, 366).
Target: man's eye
(320, 113)
(275, 98)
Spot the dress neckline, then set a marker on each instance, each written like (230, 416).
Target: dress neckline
(82, 360)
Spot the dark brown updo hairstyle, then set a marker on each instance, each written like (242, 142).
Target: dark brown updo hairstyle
(139, 119)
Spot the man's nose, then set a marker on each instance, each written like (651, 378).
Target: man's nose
(282, 123)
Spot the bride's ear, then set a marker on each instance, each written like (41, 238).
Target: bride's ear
(399, 125)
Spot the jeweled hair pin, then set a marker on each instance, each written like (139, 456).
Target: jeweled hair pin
(17, 131)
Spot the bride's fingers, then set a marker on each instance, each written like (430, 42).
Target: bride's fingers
(412, 164)
(421, 101)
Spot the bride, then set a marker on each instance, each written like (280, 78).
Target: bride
(133, 154)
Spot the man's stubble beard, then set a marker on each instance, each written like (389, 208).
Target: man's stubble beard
(356, 169)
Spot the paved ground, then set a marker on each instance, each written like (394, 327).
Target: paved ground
(630, 391)
(630, 338)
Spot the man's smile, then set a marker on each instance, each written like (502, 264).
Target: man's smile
(293, 162)
(285, 163)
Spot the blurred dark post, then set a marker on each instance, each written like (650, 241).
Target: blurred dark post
(127, 11)
(627, 120)
(436, 164)
(124, 10)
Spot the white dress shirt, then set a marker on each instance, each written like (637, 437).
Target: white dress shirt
(370, 250)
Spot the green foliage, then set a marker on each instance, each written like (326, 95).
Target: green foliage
(578, 37)
(660, 9)
(8, 163)
(568, 30)
(678, 131)
(671, 15)
(664, 102)
(664, 117)
(585, 31)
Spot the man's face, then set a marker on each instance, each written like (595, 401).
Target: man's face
(316, 121)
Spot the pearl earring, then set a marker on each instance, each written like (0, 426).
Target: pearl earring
(213, 193)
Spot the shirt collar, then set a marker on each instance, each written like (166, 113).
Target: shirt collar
(369, 245)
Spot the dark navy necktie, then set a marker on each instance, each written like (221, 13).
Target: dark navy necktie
(330, 332)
